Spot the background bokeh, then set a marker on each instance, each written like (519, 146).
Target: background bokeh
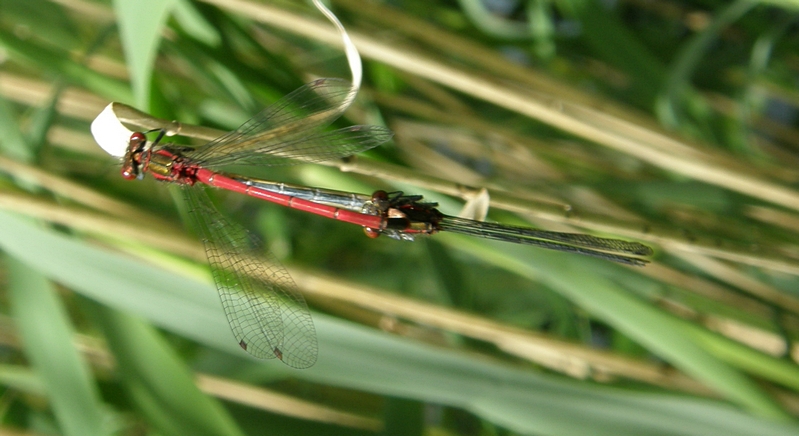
(673, 123)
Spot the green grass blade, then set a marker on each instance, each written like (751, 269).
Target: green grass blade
(22, 379)
(608, 37)
(659, 332)
(749, 360)
(158, 382)
(13, 142)
(46, 59)
(47, 334)
(194, 24)
(520, 400)
(140, 25)
(678, 90)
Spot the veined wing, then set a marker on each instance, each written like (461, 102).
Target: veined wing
(283, 127)
(267, 315)
(318, 147)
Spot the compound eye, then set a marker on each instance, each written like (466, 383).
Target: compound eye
(137, 141)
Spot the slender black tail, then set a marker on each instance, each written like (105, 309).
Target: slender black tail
(615, 250)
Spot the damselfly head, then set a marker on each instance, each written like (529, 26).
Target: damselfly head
(109, 132)
(136, 142)
(131, 162)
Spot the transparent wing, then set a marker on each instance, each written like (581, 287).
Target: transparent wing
(290, 128)
(316, 148)
(267, 315)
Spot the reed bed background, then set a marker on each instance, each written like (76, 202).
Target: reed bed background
(671, 123)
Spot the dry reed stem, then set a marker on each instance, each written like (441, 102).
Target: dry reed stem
(282, 404)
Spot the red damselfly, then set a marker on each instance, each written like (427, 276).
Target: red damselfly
(267, 314)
